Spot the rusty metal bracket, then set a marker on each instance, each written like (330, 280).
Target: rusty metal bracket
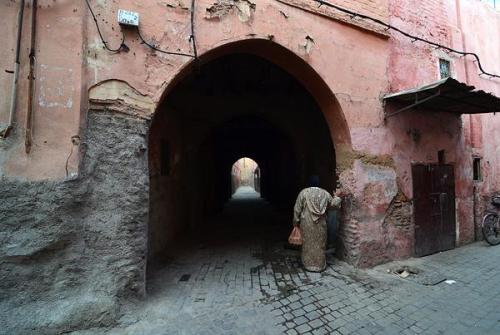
(415, 104)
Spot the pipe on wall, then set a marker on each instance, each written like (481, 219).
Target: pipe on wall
(13, 99)
(28, 139)
(474, 212)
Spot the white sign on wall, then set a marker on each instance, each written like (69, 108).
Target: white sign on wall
(128, 18)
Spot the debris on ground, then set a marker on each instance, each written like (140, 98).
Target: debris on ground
(404, 271)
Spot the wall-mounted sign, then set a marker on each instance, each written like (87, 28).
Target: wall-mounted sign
(128, 18)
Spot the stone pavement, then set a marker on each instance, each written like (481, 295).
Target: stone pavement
(239, 279)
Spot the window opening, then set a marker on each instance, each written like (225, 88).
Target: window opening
(476, 169)
(444, 68)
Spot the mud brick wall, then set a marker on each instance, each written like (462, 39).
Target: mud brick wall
(70, 251)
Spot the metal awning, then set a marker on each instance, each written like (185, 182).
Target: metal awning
(446, 95)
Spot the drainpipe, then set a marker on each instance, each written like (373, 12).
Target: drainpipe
(474, 204)
(31, 92)
(13, 99)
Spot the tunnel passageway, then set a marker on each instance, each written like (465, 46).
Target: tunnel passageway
(245, 178)
(235, 108)
(236, 257)
(245, 192)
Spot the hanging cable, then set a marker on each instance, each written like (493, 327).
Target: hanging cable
(160, 50)
(353, 15)
(150, 45)
(30, 111)
(13, 98)
(192, 38)
(122, 45)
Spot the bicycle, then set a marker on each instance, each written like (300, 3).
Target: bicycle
(491, 222)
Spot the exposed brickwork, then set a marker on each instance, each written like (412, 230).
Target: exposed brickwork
(400, 228)
(414, 64)
(375, 8)
(349, 231)
(427, 19)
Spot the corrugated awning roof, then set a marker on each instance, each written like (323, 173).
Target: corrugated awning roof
(446, 95)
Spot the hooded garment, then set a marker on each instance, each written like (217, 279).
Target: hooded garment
(312, 203)
(310, 214)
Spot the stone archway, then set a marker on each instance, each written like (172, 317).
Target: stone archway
(180, 122)
(293, 64)
(122, 115)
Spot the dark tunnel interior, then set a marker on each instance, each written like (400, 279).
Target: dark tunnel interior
(239, 105)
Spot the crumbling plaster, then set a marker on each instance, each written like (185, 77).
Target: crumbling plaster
(79, 221)
(118, 96)
(168, 25)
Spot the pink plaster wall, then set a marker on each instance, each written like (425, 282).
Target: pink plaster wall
(357, 64)
(60, 88)
(357, 81)
(463, 25)
(483, 30)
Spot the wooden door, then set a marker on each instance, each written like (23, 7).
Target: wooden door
(434, 207)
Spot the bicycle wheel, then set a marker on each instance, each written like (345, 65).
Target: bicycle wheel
(491, 229)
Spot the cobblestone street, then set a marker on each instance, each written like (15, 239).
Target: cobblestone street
(243, 281)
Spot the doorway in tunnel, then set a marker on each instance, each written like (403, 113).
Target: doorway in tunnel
(231, 107)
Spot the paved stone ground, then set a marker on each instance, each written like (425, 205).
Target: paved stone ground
(239, 279)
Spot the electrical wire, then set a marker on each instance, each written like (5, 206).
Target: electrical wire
(192, 38)
(100, 34)
(123, 46)
(160, 50)
(414, 38)
(353, 15)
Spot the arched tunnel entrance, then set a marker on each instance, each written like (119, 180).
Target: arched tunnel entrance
(236, 105)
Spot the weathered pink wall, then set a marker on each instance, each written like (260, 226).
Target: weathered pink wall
(357, 61)
(60, 89)
(463, 25)
(481, 31)
(415, 137)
